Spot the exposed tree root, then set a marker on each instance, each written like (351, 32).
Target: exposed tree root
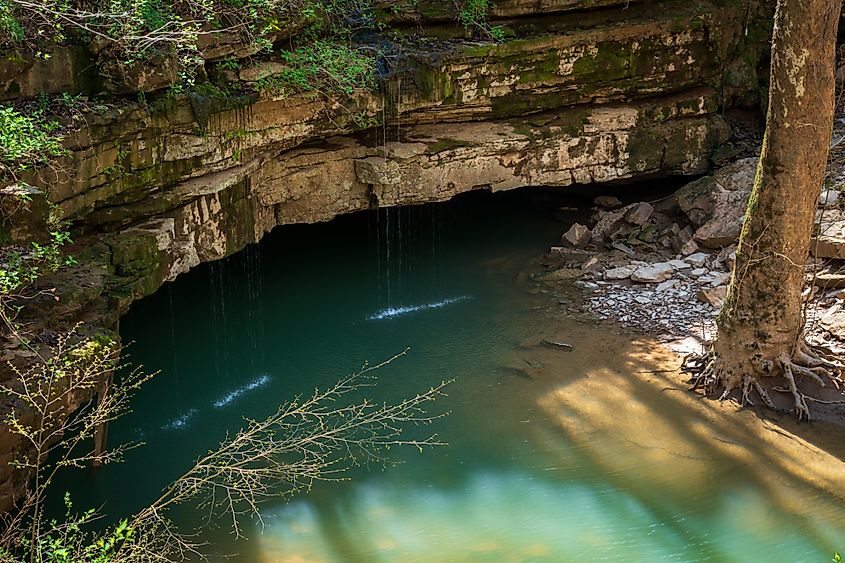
(710, 373)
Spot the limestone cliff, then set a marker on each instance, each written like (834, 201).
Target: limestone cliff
(583, 91)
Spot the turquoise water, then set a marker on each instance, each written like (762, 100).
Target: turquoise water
(526, 475)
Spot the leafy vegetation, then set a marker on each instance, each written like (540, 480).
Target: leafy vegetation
(473, 16)
(21, 266)
(27, 141)
(322, 66)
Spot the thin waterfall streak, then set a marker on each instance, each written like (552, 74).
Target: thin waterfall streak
(260, 306)
(399, 252)
(246, 264)
(214, 320)
(378, 253)
(387, 246)
(173, 348)
(224, 329)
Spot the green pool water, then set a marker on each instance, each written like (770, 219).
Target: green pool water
(515, 483)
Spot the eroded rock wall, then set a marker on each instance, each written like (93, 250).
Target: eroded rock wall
(587, 91)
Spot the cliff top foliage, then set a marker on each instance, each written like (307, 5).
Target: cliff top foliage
(133, 30)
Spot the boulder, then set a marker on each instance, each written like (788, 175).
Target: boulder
(653, 273)
(619, 273)
(638, 213)
(608, 225)
(716, 204)
(621, 222)
(829, 241)
(577, 235)
(697, 260)
(714, 296)
(833, 320)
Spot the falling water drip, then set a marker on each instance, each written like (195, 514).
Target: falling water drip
(224, 333)
(173, 347)
(399, 251)
(387, 246)
(256, 305)
(215, 328)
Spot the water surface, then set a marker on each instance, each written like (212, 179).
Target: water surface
(552, 456)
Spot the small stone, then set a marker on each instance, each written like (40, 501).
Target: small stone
(623, 248)
(620, 273)
(714, 296)
(607, 202)
(688, 247)
(679, 264)
(639, 213)
(577, 235)
(668, 284)
(727, 257)
(588, 265)
(642, 299)
(719, 278)
(654, 273)
(829, 197)
(697, 260)
(698, 272)
(24, 353)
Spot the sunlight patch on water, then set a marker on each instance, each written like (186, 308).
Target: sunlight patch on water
(237, 393)
(506, 516)
(391, 312)
(514, 516)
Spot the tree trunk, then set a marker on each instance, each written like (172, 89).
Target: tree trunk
(760, 325)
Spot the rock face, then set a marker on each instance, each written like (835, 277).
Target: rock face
(716, 204)
(587, 91)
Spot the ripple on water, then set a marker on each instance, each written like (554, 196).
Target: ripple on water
(392, 312)
(234, 395)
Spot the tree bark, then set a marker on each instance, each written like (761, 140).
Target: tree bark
(760, 325)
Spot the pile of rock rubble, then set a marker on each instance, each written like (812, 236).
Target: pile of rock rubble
(664, 266)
